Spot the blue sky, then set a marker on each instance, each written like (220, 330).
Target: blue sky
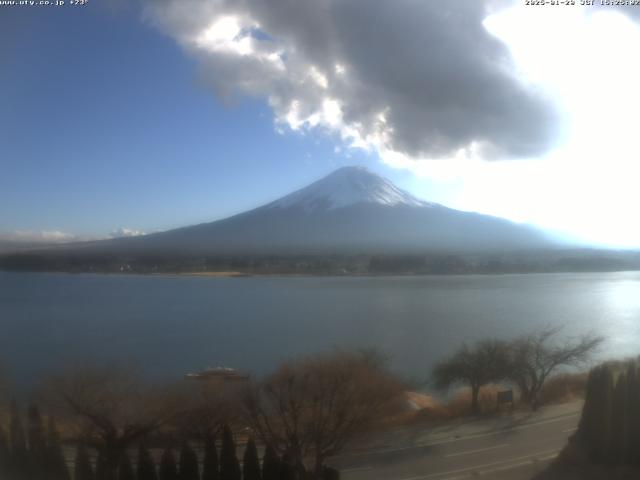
(175, 112)
(104, 125)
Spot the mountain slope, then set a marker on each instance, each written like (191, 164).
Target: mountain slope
(345, 187)
(351, 210)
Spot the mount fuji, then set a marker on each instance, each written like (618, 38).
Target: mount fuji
(346, 187)
(352, 210)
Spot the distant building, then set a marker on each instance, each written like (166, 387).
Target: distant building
(219, 374)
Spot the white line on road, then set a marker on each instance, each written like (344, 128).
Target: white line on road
(356, 469)
(514, 460)
(459, 439)
(502, 468)
(469, 452)
(568, 430)
(520, 464)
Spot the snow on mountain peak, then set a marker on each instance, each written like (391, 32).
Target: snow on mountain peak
(348, 186)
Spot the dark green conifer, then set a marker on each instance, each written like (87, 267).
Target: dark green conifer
(19, 463)
(270, 464)
(125, 469)
(609, 428)
(103, 469)
(229, 464)
(168, 467)
(619, 423)
(36, 440)
(210, 467)
(251, 463)
(189, 468)
(83, 469)
(16, 432)
(589, 428)
(329, 473)
(5, 455)
(56, 464)
(587, 423)
(287, 468)
(603, 416)
(633, 402)
(146, 466)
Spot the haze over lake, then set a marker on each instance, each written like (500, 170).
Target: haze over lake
(172, 325)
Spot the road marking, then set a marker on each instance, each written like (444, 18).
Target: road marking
(520, 464)
(459, 439)
(356, 469)
(469, 452)
(570, 430)
(511, 466)
(502, 463)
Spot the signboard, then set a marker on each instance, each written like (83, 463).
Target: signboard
(505, 396)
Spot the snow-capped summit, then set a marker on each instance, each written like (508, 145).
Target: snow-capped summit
(352, 210)
(345, 187)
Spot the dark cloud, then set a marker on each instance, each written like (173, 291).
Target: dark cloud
(421, 78)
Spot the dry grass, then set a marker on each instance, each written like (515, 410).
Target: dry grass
(564, 388)
(458, 406)
(559, 389)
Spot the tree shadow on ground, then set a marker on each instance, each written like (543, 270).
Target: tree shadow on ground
(572, 464)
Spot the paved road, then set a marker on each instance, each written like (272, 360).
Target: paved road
(511, 448)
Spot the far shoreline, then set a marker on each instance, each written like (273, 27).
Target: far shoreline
(238, 274)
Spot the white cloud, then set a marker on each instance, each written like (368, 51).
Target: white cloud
(440, 87)
(588, 186)
(58, 236)
(411, 80)
(126, 232)
(41, 236)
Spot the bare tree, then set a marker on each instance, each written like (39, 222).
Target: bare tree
(535, 357)
(477, 365)
(207, 407)
(114, 407)
(309, 410)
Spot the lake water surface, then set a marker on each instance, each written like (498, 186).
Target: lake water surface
(173, 325)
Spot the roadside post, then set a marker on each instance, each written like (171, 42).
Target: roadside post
(506, 396)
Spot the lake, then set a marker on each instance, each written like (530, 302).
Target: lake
(170, 325)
